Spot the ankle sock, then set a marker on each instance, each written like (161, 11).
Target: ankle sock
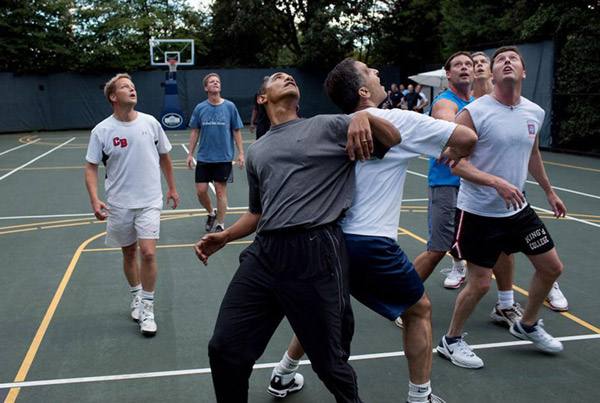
(148, 295)
(452, 340)
(528, 328)
(419, 393)
(135, 289)
(287, 365)
(506, 299)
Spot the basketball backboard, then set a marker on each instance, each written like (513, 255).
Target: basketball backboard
(163, 50)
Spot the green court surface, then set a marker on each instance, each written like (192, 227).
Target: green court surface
(66, 335)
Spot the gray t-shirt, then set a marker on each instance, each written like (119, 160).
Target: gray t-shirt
(299, 174)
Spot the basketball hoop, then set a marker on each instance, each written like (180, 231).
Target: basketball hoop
(172, 65)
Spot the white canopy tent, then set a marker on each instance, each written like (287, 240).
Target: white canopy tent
(434, 78)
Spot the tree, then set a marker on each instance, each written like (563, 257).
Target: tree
(36, 35)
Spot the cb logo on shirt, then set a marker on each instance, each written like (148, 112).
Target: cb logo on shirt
(119, 142)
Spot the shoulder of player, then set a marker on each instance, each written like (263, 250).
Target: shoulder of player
(532, 105)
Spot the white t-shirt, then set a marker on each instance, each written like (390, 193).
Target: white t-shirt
(130, 151)
(375, 210)
(506, 137)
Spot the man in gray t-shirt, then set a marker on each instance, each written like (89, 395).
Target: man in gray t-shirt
(301, 181)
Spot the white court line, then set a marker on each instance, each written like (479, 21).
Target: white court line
(36, 158)
(210, 185)
(568, 217)
(17, 147)
(539, 208)
(199, 371)
(568, 190)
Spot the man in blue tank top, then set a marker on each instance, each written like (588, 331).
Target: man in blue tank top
(443, 186)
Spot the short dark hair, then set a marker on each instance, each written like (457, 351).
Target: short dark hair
(509, 48)
(342, 85)
(453, 56)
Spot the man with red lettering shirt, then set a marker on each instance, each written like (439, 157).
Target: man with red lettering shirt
(134, 149)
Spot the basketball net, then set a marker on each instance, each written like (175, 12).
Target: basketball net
(172, 65)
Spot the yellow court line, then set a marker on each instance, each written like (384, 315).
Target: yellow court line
(572, 166)
(39, 335)
(181, 245)
(44, 168)
(37, 224)
(66, 225)
(520, 290)
(17, 230)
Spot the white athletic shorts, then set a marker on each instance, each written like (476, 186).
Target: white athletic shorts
(125, 226)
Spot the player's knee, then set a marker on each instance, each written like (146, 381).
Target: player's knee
(554, 269)
(148, 254)
(479, 285)
(129, 252)
(420, 310)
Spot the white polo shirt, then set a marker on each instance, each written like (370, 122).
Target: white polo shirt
(506, 135)
(130, 151)
(375, 210)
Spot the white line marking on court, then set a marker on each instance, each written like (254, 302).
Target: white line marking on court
(36, 158)
(416, 173)
(568, 190)
(210, 185)
(568, 217)
(199, 371)
(17, 147)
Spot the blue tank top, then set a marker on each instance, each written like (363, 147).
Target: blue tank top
(440, 174)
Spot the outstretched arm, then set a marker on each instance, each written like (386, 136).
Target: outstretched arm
(211, 243)
(536, 169)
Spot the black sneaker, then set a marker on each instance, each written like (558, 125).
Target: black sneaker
(281, 385)
(210, 221)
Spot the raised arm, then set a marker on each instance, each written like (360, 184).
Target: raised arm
(167, 169)
(91, 183)
(536, 169)
(194, 135)
(365, 127)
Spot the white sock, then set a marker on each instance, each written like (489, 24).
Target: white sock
(135, 289)
(458, 264)
(287, 365)
(506, 299)
(418, 393)
(148, 295)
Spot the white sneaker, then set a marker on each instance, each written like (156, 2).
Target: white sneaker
(556, 299)
(432, 399)
(135, 307)
(147, 324)
(459, 353)
(281, 385)
(507, 316)
(540, 338)
(456, 277)
(399, 322)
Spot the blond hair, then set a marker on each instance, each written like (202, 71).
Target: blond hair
(111, 85)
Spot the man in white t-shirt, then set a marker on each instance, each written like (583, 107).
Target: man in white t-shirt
(381, 275)
(493, 216)
(134, 149)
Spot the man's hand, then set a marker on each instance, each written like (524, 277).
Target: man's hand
(252, 128)
(450, 156)
(174, 196)
(511, 195)
(100, 209)
(190, 162)
(209, 244)
(360, 139)
(240, 161)
(559, 208)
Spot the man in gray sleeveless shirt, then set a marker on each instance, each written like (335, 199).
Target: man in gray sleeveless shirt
(301, 180)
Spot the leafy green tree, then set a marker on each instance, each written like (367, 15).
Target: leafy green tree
(36, 35)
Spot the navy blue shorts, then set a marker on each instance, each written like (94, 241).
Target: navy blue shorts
(381, 275)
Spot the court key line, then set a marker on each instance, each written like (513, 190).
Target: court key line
(36, 158)
(21, 146)
(204, 371)
(40, 333)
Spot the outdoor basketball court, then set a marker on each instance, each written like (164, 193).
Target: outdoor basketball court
(66, 334)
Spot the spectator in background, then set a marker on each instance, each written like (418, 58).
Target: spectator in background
(423, 101)
(395, 96)
(412, 98)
